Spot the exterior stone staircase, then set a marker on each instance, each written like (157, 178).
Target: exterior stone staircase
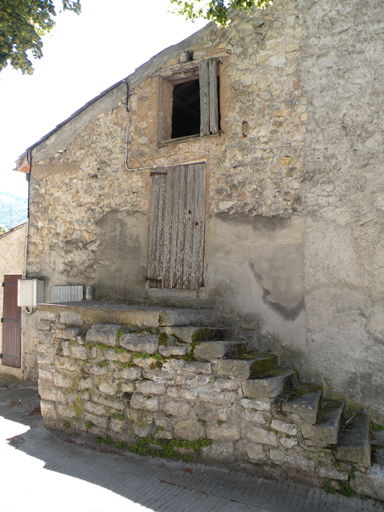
(167, 373)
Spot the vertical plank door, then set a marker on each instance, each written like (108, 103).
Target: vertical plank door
(11, 351)
(177, 227)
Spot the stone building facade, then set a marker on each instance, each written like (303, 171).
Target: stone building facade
(289, 183)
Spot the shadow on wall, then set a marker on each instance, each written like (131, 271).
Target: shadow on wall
(121, 256)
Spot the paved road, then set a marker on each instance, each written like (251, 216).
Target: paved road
(43, 471)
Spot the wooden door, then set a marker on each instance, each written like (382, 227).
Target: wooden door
(11, 352)
(177, 225)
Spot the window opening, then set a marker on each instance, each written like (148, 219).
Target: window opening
(196, 105)
(186, 109)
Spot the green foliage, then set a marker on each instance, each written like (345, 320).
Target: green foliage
(213, 10)
(119, 334)
(2, 229)
(102, 346)
(103, 440)
(220, 422)
(119, 350)
(66, 424)
(377, 427)
(128, 364)
(120, 445)
(346, 489)
(117, 416)
(328, 487)
(22, 25)
(89, 424)
(154, 447)
(163, 338)
(103, 364)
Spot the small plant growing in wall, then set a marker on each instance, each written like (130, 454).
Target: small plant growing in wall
(89, 424)
(66, 424)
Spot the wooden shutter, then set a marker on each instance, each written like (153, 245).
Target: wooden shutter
(11, 351)
(177, 226)
(209, 105)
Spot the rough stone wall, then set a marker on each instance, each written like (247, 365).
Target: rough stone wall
(294, 206)
(341, 72)
(122, 388)
(12, 253)
(91, 215)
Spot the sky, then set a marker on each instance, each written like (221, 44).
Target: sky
(82, 56)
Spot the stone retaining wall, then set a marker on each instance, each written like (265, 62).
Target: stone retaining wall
(124, 384)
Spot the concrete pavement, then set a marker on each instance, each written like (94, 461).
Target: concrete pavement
(41, 470)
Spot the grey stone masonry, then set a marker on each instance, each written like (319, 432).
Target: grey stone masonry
(125, 384)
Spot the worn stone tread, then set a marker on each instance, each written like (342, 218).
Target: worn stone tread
(269, 387)
(327, 430)
(305, 406)
(354, 443)
(191, 333)
(219, 349)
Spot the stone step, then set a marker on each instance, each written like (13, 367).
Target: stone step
(246, 368)
(354, 441)
(190, 334)
(305, 406)
(270, 387)
(328, 423)
(220, 349)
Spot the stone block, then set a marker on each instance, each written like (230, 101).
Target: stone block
(140, 342)
(331, 473)
(288, 442)
(47, 315)
(163, 422)
(225, 385)
(47, 393)
(218, 398)
(220, 451)
(101, 422)
(175, 350)
(253, 416)
(286, 428)
(219, 349)
(114, 404)
(294, 461)
(181, 393)
(328, 430)
(45, 337)
(304, 406)
(370, 483)
(223, 432)
(66, 364)
(95, 369)
(252, 451)
(108, 388)
(259, 405)
(148, 387)
(139, 401)
(97, 409)
(69, 333)
(127, 387)
(163, 434)
(48, 409)
(189, 429)
(110, 355)
(79, 352)
(210, 412)
(45, 358)
(103, 333)
(45, 373)
(269, 387)
(117, 426)
(354, 444)
(197, 367)
(259, 436)
(133, 373)
(62, 381)
(46, 348)
(69, 318)
(197, 381)
(177, 408)
(66, 346)
(85, 384)
(65, 411)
